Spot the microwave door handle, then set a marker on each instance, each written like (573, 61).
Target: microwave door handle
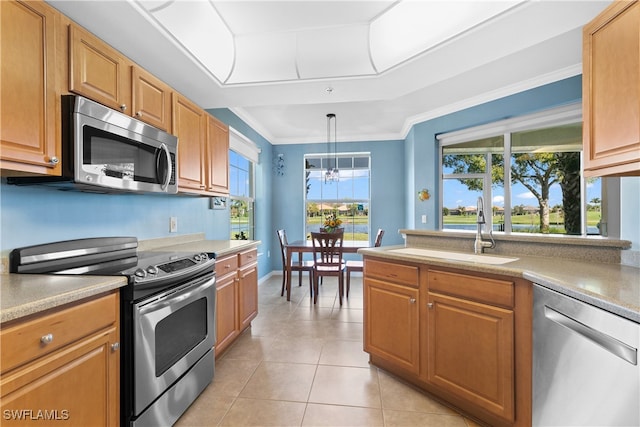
(167, 179)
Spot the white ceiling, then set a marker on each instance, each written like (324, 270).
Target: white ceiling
(379, 65)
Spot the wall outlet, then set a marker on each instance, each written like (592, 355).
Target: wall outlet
(424, 219)
(173, 224)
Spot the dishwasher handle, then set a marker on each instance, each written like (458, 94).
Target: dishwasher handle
(609, 343)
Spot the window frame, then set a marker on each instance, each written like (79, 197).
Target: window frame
(250, 199)
(327, 159)
(564, 115)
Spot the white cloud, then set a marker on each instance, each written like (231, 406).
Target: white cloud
(498, 200)
(527, 195)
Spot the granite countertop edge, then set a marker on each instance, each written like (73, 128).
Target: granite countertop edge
(27, 294)
(597, 284)
(22, 295)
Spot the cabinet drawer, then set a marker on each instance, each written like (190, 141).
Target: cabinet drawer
(226, 265)
(248, 257)
(399, 273)
(26, 341)
(481, 289)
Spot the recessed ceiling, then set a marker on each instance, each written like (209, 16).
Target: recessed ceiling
(380, 66)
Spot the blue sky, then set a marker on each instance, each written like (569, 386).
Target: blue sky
(457, 194)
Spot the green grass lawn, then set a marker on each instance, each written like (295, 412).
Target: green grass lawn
(556, 222)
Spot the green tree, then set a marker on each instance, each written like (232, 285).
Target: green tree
(569, 178)
(537, 172)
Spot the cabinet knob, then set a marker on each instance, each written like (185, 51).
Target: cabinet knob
(139, 114)
(115, 346)
(430, 305)
(412, 300)
(54, 160)
(46, 339)
(123, 107)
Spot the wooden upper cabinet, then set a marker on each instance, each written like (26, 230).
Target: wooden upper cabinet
(189, 125)
(611, 91)
(218, 155)
(29, 122)
(151, 99)
(98, 71)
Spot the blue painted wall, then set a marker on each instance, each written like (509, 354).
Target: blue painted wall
(422, 147)
(33, 215)
(387, 209)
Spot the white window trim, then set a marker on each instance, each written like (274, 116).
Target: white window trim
(244, 146)
(571, 113)
(559, 116)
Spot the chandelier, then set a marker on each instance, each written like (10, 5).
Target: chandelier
(332, 174)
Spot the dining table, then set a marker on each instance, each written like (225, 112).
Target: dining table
(302, 246)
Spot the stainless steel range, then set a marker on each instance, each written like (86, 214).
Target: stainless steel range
(167, 318)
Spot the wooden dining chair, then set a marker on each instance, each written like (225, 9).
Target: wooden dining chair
(298, 265)
(358, 265)
(327, 258)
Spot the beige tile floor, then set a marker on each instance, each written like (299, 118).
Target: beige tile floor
(302, 364)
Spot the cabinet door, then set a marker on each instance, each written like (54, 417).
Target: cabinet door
(79, 383)
(611, 91)
(29, 134)
(391, 323)
(218, 146)
(471, 352)
(227, 328)
(151, 99)
(247, 295)
(189, 125)
(98, 71)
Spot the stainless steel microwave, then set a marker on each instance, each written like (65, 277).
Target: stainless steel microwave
(105, 151)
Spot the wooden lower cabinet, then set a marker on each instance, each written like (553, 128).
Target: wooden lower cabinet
(392, 319)
(247, 294)
(466, 339)
(227, 326)
(237, 296)
(471, 352)
(78, 380)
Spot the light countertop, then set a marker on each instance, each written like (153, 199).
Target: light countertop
(612, 287)
(25, 294)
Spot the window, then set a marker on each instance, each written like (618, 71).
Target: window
(241, 206)
(347, 198)
(528, 172)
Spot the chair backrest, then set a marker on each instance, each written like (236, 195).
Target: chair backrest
(379, 236)
(282, 237)
(327, 248)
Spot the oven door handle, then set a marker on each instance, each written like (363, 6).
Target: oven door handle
(173, 297)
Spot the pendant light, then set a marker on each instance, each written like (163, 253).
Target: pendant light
(332, 174)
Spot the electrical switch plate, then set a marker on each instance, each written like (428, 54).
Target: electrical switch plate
(424, 219)
(173, 224)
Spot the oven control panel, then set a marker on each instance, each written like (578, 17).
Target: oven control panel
(166, 265)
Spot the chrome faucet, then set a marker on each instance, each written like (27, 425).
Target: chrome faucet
(479, 244)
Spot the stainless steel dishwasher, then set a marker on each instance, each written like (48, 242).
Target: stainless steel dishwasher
(585, 364)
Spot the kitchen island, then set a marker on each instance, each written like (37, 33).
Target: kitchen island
(459, 325)
(587, 269)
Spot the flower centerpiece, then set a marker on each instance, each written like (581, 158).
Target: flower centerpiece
(332, 223)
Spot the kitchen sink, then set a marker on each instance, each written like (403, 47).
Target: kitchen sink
(456, 256)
